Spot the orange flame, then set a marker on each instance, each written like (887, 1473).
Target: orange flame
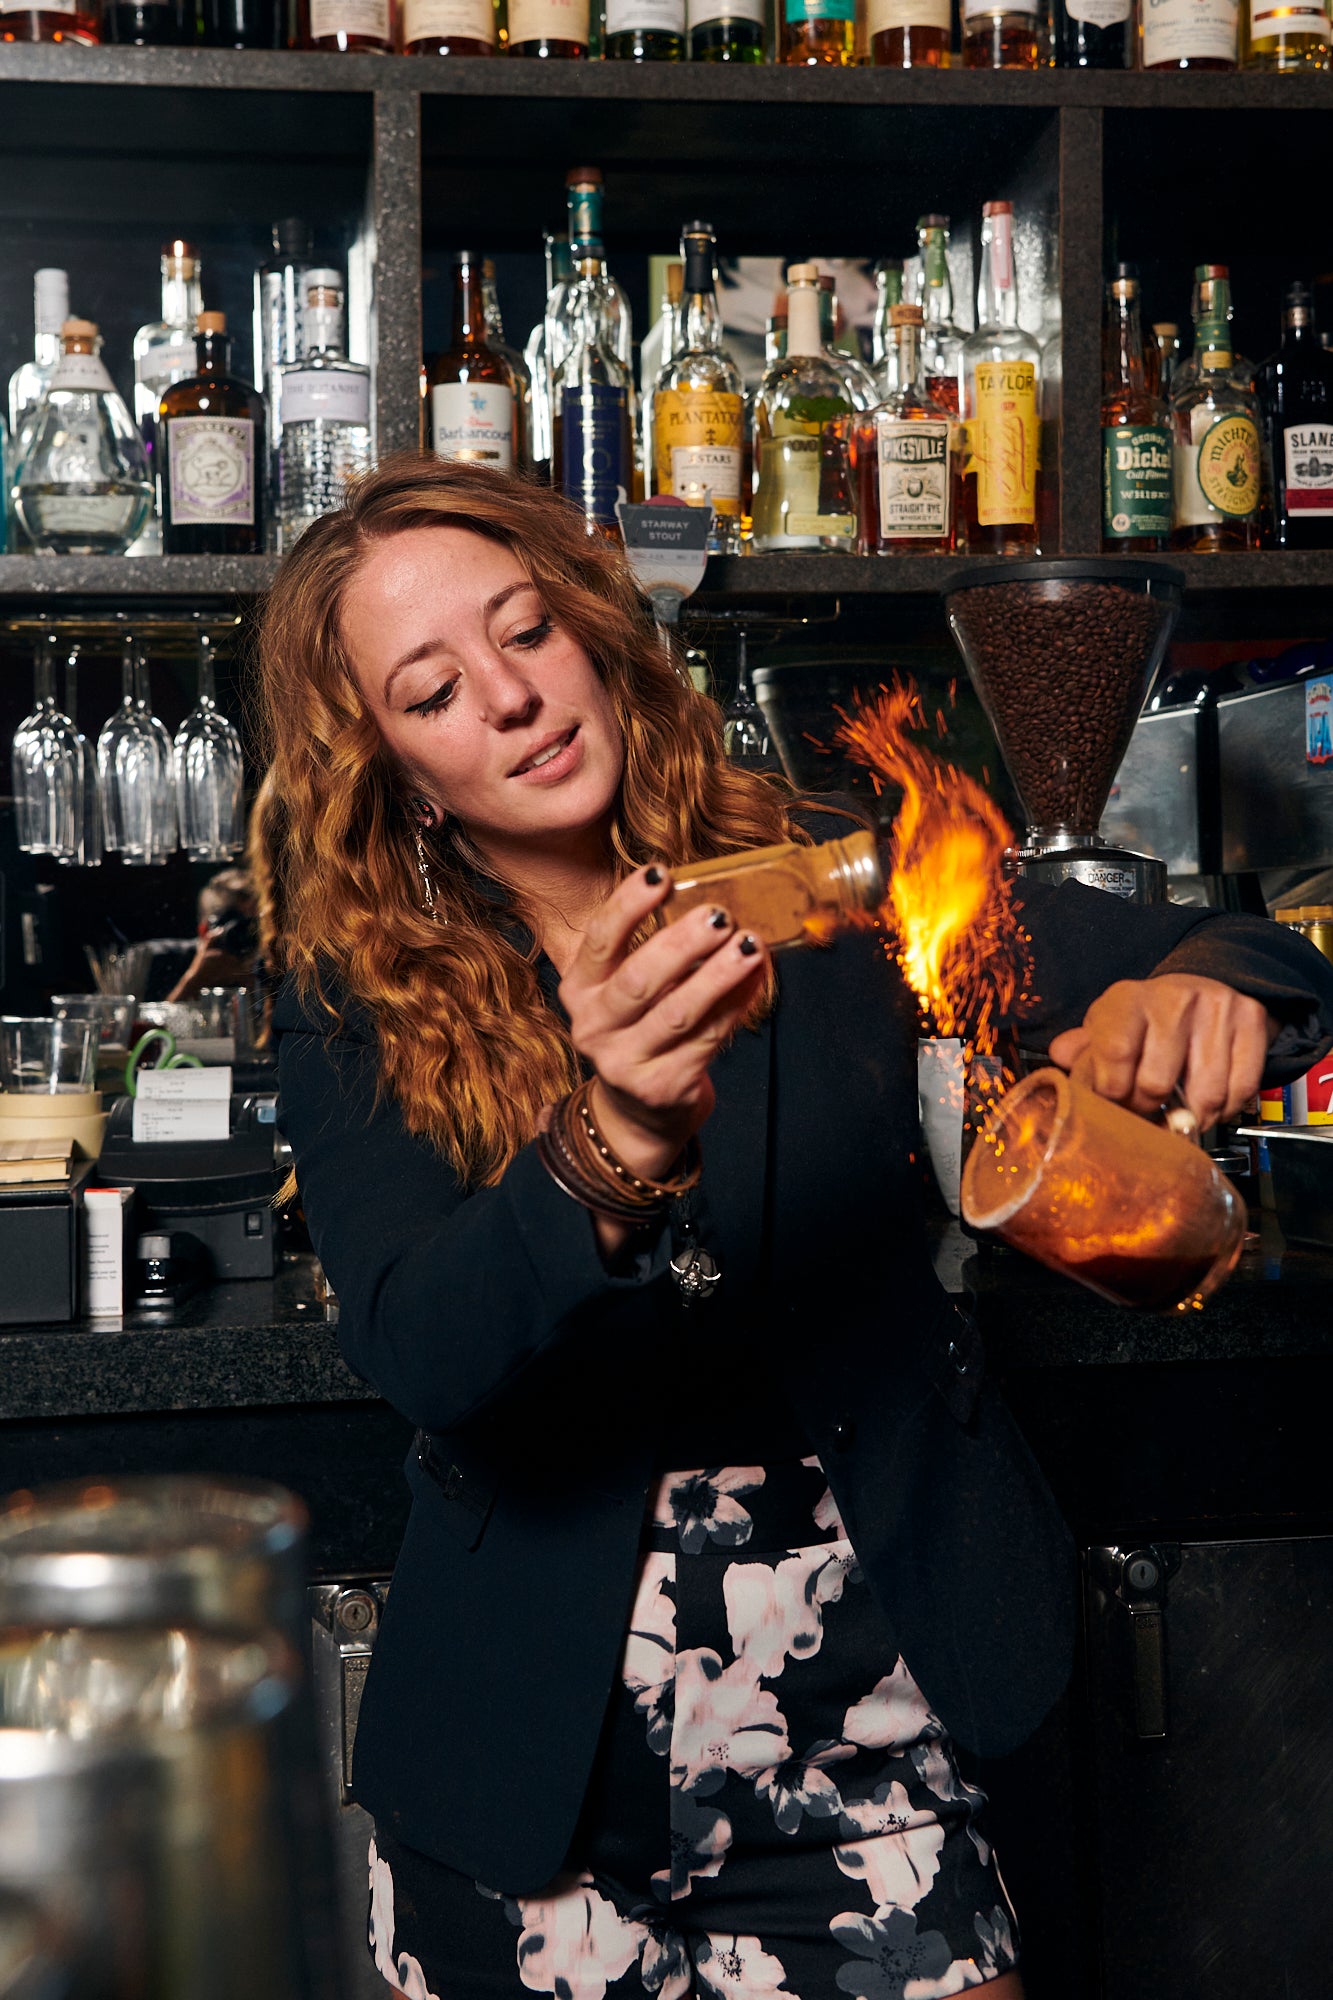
(957, 937)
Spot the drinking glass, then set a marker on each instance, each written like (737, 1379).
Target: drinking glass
(206, 758)
(112, 1013)
(88, 850)
(744, 727)
(53, 1057)
(134, 766)
(47, 767)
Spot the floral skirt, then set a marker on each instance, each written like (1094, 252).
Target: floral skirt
(774, 1810)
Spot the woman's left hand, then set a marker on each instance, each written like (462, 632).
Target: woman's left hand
(1145, 1036)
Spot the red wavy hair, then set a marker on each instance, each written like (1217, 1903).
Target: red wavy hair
(467, 1044)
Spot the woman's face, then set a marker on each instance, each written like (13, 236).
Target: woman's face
(496, 716)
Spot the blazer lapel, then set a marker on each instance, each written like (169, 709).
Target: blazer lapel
(732, 1209)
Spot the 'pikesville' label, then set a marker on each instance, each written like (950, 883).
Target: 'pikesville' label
(1307, 454)
(1002, 440)
(697, 442)
(914, 492)
(1176, 31)
(212, 476)
(594, 450)
(475, 421)
(1136, 480)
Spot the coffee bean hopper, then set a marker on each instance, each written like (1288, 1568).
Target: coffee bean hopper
(1062, 655)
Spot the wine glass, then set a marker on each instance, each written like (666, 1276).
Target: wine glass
(88, 851)
(206, 758)
(163, 828)
(744, 728)
(134, 766)
(47, 768)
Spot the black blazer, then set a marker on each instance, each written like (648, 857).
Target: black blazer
(541, 1384)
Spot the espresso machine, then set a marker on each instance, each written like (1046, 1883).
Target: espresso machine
(1062, 654)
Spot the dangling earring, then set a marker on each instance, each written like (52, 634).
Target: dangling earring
(423, 864)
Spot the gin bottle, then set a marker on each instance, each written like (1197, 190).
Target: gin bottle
(211, 435)
(698, 411)
(1001, 387)
(163, 354)
(325, 414)
(802, 414)
(1217, 450)
(27, 385)
(81, 484)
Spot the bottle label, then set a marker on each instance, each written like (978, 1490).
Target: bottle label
(594, 457)
(974, 8)
(368, 19)
(914, 491)
(1136, 480)
(48, 7)
(1228, 465)
(697, 441)
(882, 15)
(1189, 31)
(787, 502)
(1099, 13)
(212, 462)
(1269, 21)
(333, 395)
(703, 13)
(1002, 442)
(82, 372)
(1307, 451)
(645, 17)
(473, 420)
(449, 21)
(820, 10)
(548, 21)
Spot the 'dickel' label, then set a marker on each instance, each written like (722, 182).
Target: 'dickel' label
(1136, 480)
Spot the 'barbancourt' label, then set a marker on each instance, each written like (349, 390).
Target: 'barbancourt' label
(1136, 480)
(473, 420)
(212, 471)
(914, 494)
(1307, 454)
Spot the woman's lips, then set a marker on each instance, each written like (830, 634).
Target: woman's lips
(556, 767)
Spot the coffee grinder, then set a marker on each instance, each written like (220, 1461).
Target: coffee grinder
(1062, 654)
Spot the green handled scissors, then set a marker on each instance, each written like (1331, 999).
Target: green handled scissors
(170, 1059)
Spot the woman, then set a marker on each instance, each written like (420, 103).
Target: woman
(697, 1591)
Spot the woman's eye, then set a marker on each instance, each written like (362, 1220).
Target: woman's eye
(442, 696)
(534, 634)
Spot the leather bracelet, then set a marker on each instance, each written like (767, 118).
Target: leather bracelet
(583, 1166)
(569, 1174)
(689, 1177)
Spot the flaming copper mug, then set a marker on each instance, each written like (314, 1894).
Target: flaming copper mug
(1130, 1208)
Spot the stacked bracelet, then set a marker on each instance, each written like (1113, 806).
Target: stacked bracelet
(580, 1162)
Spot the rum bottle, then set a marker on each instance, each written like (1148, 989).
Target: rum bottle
(470, 386)
(802, 421)
(817, 32)
(212, 444)
(448, 28)
(1216, 443)
(549, 29)
(727, 31)
(1003, 34)
(1294, 35)
(941, 340)
(1189, 34)
(909, 34)
(644, 31)
(698, 411)
(1001, 389)
(1295, 388)
(1136, 438)
(57, 21)
(907, 458)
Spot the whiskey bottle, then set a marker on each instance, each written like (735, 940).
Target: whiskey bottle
(1295, 388)
(1094, 34)
(471, 387)
(592, 446)
(81, 484)
(346, 27)
(1003, 34)
(698, 420)
(324, 409)
(644, 31)
(941, 340)
(1001, 389)
(164, 353)
(211, 437)
(448, 28)
(907, 457)
(817, 32)
(727, 31)
(1136, 438)
(1215, 431)
(802, 424)
(909, 34)
(55, 21)
(1189, 34)
(550, 29)
(1293, 35)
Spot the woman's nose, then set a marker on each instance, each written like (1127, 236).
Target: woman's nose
(507, 696)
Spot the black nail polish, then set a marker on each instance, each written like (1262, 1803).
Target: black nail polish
(748, 946)
(652, 876)
(719, 920)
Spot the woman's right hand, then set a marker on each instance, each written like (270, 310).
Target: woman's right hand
(651, 1019)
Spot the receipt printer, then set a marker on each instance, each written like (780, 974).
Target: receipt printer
(212, 1197)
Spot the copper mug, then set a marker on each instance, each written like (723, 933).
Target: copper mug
(1133, 1209)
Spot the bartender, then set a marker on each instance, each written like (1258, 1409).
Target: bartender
(720, 1539)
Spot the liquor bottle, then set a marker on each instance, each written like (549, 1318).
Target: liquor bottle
(644, 31)
(1293, 35)
(941, 340)
(81, 484)
(277, 320)
(1136, 437)
(775, 335)
(802, 423)
(28, 383)
(909, 34)
(907, 459)
(559, 273)
(1094, 34)
(1162, 354)
(659, 345)
(1003, 34)
(1001, 388)
(325, 413)
(698, 418)
(817, 31)
(346, 27)
(888, 293)
(1189, 34)
(518, 367)
(863, 391)
(244, 24)
(593, 442)
(548, 28)
(583, 197)
(448, 28)
(152, 23)
(1215, 431)
(1295, 388)
(472, 395)
(56, 21)
(163, 354)
(211, 470)
(727, 31)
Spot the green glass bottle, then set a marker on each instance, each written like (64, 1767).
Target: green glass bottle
(644, 31)
(727, 31)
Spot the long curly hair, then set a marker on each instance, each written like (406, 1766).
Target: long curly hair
(466, 1043)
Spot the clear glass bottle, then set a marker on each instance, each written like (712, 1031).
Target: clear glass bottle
(326, 434)
(698, 411)
(941, 340)
(727, 31)
(549, 29)
(1002, 34)
(644, 31)
(1295, 389)
(802, 421)
(27, 385)
(448, 28)
(583, 198)
(907, 459)
(473, 402)
(1136, 438)
(1001, 392)
(518, 367)
(888, 293)
(1215, 429)
(862, 388)
(58, 21)
(909, 34)
(210, 481)
(786, 895)
(1189, 34)
(81, 484)
(346, 27)
(1293, 35)
(164, 353)
(277, 321)
(658, 346)
(593, 441)
(559, 272)
(1165, 358)
(817, 32)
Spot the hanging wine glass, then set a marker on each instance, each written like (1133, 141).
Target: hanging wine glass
(88, 851)
(164, 783)
(134, 767)
(744, 728)
(47, 768)
(207, 762)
